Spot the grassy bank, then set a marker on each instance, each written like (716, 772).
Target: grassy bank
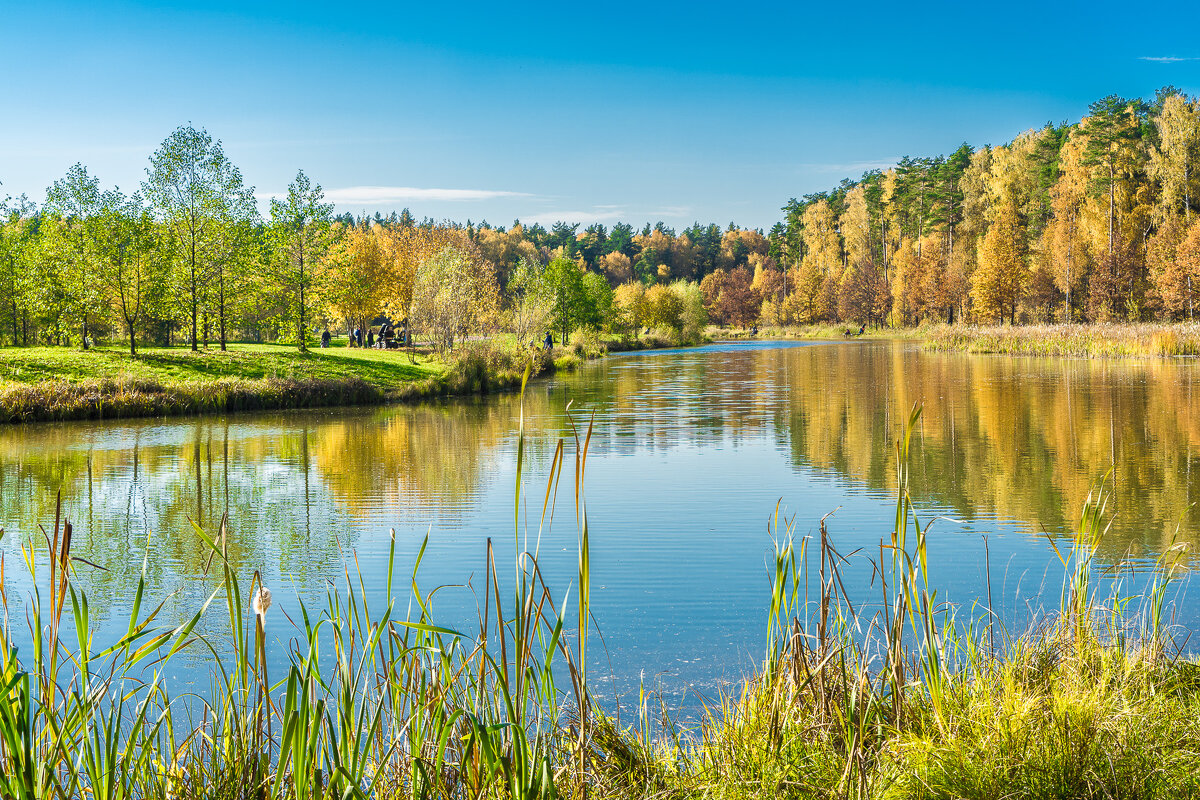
(902, 698)
(55, 383)
(1091, 341)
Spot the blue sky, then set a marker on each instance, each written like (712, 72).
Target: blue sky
(635, 111)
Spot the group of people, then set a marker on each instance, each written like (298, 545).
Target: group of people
(389, 337)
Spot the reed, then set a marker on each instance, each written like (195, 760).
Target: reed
(901, 697)
(1102, 340)
(908, 700)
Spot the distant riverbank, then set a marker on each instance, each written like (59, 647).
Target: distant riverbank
(1115, 340)
(1100, 340)
(58, 383)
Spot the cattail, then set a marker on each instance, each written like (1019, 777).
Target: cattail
(261, 601)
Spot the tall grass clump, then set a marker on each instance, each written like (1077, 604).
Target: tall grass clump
(1101, 340)
(373, 702)
(112, 398)
(904, 696)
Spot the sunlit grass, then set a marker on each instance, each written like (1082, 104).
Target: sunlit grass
(386, 369)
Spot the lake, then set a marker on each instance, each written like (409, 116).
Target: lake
(690, 454)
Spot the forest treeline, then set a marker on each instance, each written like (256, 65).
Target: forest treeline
(1091, 221)
(189, 258)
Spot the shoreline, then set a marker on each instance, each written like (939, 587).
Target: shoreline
(473, 371)
(342, 377)
(1092, 340)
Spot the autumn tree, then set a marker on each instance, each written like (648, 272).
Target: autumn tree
(663, 308)
(821, 265)
(864, 294)
(403, 250)
(455, 293)
(1064, 243)
(1178, 278)
(1173, 160)
(358, 263)
(1003, 270)
(617, 267)
(630, 299)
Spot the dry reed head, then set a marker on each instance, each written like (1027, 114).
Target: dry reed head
(261, 601)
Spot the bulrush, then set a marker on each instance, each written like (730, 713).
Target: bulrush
(260, 602)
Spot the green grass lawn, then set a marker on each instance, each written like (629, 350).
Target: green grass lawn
(386, 369)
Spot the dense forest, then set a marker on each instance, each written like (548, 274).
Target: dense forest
(1091, 221)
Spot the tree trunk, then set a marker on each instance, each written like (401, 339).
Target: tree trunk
(221, 307)
(303, 344)
(1112, 187)
(195, 298)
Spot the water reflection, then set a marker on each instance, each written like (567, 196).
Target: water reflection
(690, 452)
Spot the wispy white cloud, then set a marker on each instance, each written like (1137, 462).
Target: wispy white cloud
(1168, 59)
(607, 213)
(391, 195)
(853, 167)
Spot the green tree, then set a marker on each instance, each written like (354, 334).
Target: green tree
(129, 270)
(301, 236)
(1112, 151)
(600, 307)
(19, 225)
(200, 197)
(73, 248)
(570, 308)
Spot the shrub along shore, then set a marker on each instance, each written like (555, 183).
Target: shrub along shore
(57, 383)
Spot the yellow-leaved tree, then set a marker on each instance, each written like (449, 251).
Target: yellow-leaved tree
(354, 287)
(1063, 241)
(454, 293)
(1003, 270)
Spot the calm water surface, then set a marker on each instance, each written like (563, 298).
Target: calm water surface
(692, 451)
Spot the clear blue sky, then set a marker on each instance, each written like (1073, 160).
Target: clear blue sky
(587, 112)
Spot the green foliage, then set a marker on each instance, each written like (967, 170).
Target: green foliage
(301, 236)
(571, 304)
(198, 196)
